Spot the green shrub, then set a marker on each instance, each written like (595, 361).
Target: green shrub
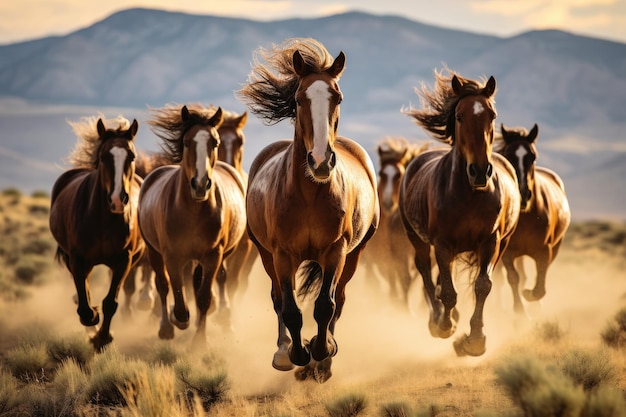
(605, 402)
(69, 385)
(11, 192)
(40, 194)
(28, 363)
(75, 347)
(209, 388)
(29, 268)
(9, 396)
(164, 353)
(549, 331)
(153, 394)
(588, 369)
(38, 246)
(396, 410)
(614, 334)
(348, 406)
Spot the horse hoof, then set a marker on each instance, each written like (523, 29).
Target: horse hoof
(530, 295)
(470, 346)
(92, 318)
(166, 332)
(322, 372)
(301, 358)
(323, 352)
(99, 341)
(281, 361)
(181, 324)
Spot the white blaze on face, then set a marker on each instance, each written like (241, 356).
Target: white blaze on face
(478, 108)
(319, 95)
(119, 157)
(202, 152)
(521, 153)
(387, 196)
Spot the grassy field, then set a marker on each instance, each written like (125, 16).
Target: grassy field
(567, 359)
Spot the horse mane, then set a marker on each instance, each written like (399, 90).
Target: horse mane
(85, 153)
(438, 104)
(271, 86)
(168, 125)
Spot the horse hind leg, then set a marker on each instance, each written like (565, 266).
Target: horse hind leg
(80, 272)
(542, 261)
(146, 299)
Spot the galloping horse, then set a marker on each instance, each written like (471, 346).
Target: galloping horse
(389, 251)
(190, 211)
(311, 201)
(93, 214)
(462, 199)
(545, 213)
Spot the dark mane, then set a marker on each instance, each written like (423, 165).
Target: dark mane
(270, 89)
(167, 123)
(438, 104)
(87, 149)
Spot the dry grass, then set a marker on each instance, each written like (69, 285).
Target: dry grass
(387, 365)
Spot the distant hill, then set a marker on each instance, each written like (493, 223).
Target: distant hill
(572, 86)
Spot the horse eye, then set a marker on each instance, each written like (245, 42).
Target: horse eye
(297, 102)
(458, 118)
(340, 99)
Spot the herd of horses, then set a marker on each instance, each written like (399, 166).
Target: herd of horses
(308, 207)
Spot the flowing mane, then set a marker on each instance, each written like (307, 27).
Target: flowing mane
(168, 125)
(87, 148)
(270, 90)
(437, 112)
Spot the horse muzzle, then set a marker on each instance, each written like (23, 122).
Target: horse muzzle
(118, 202)
(322, 170)
(199, 189)
(479, 176)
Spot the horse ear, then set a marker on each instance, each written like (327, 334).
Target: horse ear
(184, 113)
(100, 126)
(338, 65)
(532, 135)
(505, 133)
(456, 85)
(241, 121)
(134, 126)
(300, 67)
(217, 118)
(490, 87)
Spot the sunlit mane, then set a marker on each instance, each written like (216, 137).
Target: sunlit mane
(438, 104)
(86, 150)
(167, 123)
(271, 86)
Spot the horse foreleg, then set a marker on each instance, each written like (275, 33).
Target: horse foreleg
(474, 344)
(542, 261)
(445, 292)
(513, 278)
(129, 287)
(179, 315)
(204, 294)
(80, 272)
(161, 280)
(109, 304)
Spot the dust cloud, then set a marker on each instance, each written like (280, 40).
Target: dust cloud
(375, 337)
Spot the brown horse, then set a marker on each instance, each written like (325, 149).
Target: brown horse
(545, 213)
(93, 214)
(462, 199)
(389, 252)
(311, 201)
(192, 211)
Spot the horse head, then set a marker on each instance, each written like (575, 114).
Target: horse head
(200, 146)
(474, 117)
(232, 140)
(394, 155)
(317, 113)
(116, 163)
(519, 149)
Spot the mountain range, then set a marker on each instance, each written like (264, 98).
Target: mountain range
(571, 86)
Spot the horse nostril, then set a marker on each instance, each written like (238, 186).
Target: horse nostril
(310, 159)
(194, 184)
(472, 170)
(125, 198)
(208, 183)
(489, 170)
(332, 160)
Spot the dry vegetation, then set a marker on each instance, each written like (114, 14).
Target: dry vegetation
(567, 360)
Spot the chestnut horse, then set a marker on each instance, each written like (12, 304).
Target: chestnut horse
(93, 214)
(192, 211)
(544, 218)
(389, 252)
(461, 199)
(311, 201)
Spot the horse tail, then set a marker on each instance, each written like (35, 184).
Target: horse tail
(62, 257)
(311, 272)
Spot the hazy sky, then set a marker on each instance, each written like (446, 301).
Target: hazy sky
(29, 19)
